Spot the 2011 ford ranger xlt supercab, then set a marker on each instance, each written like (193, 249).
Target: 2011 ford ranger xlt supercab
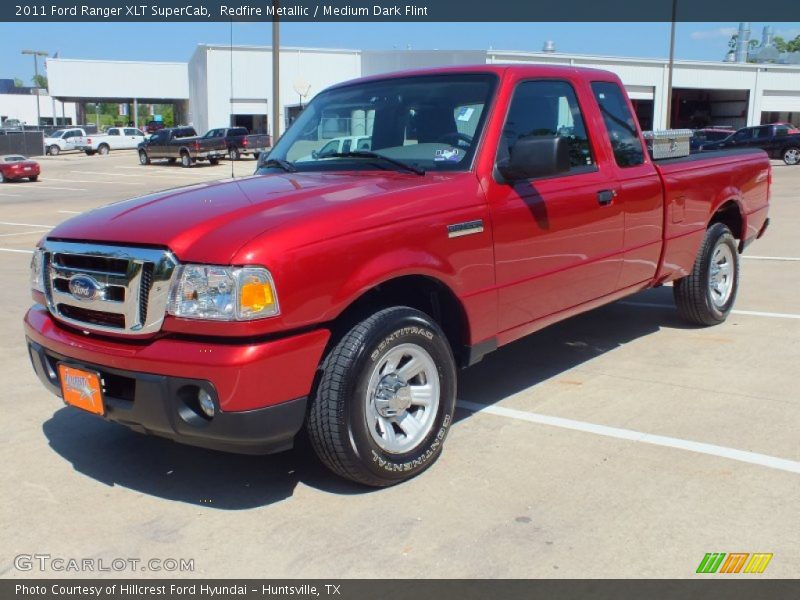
(339, 294)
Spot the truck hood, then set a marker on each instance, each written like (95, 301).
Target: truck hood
(209, 222)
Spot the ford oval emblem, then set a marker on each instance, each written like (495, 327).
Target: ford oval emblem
(83, 287)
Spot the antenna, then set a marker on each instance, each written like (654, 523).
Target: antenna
(230, 119)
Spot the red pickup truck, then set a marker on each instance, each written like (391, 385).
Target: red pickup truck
(340, 292)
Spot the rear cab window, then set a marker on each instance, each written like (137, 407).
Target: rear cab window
(620, 124)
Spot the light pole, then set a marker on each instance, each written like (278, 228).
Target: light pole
(671, 63)
(276, 88)
(36, 54)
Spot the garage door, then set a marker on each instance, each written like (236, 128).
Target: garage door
(640, 92)
(780, 101)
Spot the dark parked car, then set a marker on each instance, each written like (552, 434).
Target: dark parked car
(14, 167)
(181, 143)
(701, 137)
(239, 142)
(778, 140)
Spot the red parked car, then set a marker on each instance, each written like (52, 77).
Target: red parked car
(340, 293)
(14, 167)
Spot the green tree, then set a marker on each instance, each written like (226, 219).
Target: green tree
(735, 37)
(793, 45)
(39, 81)
(779, 43)
(18, 82)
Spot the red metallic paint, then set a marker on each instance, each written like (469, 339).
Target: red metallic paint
(246, 376)
(16, 170)
(548, 251)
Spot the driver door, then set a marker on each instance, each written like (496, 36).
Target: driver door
(558, 240)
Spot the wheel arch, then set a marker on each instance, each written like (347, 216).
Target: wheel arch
(731, 214)
(424, 292)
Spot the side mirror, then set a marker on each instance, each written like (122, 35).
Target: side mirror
(314, 154)
(535, 156)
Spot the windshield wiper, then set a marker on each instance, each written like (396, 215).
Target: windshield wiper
(370, 154)
(280, 163)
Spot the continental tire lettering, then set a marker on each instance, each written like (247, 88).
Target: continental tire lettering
(411, 330)
(392, 467)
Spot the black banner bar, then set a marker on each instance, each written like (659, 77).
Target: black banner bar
(716, 587)
(401, 10)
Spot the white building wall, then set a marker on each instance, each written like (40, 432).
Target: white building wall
(23, 107)
(252, 79)
(117, 79)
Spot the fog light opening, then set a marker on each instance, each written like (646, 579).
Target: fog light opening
(196, 406)
(206, 403)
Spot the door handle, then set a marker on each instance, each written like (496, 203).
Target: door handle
(606, 197)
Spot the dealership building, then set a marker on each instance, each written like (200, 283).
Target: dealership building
(222, 85)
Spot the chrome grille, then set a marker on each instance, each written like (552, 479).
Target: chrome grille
(103, 288)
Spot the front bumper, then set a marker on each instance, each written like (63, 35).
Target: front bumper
(259, 389)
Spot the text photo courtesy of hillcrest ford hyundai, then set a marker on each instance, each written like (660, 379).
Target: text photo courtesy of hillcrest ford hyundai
(310, 300)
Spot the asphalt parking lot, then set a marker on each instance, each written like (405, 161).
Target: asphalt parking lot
(620, 443)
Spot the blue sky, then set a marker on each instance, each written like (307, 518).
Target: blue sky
(176, 41)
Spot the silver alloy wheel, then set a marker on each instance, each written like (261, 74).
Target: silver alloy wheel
(791, 156)
(721, 272)
(402, 398)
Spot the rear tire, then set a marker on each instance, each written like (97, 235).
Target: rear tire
(186, 160)
(385, 399)
(103, 150)
(791, 156)
(53, 150)
(707, 294)
(33, 178)
(143, 158)
(213, 161)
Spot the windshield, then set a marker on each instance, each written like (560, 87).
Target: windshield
(429, 122)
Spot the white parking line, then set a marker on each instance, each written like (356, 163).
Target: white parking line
(781, 258)
(25, 224)
(95, 181)
(750, 313)
(16, 251)
(13, 195)
(753, 458)
(24, 232)
(39, 186)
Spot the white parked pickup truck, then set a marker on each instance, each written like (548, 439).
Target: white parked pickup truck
(63, 139)
(116, 138)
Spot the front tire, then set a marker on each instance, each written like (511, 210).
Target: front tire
(53, 150)
(385, 400)
(707, 294)
(143, 158)
(791, 156)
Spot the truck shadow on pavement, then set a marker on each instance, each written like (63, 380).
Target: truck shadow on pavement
(116, 456)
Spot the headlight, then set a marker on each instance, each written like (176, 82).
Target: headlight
(223, 293)
(37, 270)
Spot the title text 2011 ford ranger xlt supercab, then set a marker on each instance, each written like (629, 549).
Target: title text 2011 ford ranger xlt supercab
(341, 293)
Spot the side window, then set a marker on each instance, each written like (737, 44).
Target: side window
(346, 145)
(743, 135)
(619, 123)
(546, 108)
(763, 132)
